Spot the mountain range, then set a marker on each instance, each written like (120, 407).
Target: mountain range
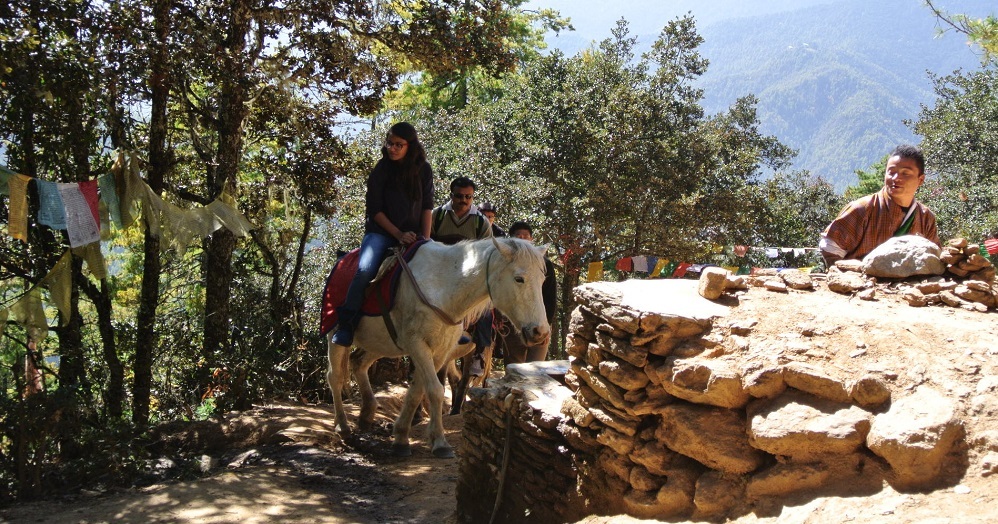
(837, 80)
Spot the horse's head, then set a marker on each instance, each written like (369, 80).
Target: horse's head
(515, 275)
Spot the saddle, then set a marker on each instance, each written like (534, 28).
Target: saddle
(380, 294)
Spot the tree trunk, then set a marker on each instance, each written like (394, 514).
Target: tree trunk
(72, 371)
(232, 113)
(146, 339)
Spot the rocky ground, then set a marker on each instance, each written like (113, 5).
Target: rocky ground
(283, 462)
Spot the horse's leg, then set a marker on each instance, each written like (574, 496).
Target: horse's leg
(516, 350)
(403, 423)
(426, 372)
(453, 377)
(336, 374)
(483, 381)
(361, 363)
(457, 393)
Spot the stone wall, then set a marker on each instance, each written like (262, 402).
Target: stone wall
(519, 417)
(662, 416)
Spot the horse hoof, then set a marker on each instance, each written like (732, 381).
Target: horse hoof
(444, 453)
(401, 450)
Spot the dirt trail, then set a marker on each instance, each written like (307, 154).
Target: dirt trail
(288, 464)
(310, 477)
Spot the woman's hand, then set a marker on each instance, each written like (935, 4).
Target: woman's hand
(408, 237)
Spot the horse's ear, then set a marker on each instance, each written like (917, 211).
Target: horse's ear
(503, 249)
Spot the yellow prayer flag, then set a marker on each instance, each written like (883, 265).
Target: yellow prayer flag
(59, 281)
(659, 266)
(92, 255)
(29, 312)
(17, 224)
(731, 269)
(595, 273)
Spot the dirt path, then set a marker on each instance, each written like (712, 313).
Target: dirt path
(285, 463)
(311, 477)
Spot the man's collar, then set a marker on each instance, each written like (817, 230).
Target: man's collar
(471, 211)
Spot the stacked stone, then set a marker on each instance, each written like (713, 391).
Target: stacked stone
(972, 295)
(540, 478)
(964, 260)
(972, 285)
(716, 280)
(667, 422)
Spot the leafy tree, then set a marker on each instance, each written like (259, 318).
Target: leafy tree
(52, 121)
(799, 207)
(960, 144)
(981, 31)
(611, 154)
(870, 180)
(453, 89)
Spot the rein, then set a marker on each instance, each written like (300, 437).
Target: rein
(440, 313)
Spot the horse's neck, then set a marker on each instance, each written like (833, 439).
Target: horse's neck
(453, 277)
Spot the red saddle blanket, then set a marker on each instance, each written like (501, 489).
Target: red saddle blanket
(339, 282)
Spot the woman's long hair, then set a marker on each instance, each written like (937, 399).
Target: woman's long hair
(412, 162)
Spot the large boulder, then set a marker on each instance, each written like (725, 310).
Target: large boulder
(714, 437)
(804, 427)
(703, 381)
(904, 256)
(915, 435)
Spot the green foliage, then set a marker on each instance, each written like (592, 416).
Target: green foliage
(610, 154)
(961, 143)
(799, 207)
(870, 181)
(982, 32)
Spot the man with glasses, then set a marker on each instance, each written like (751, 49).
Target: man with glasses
(459, 219)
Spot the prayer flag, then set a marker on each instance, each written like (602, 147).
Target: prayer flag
(625, 264)
(641, 264)
(51, 211)
(29, 312)
(5, 175)
(80, 201)
(659, 266)
(595, 273)
(17, 215)
(109, 195)
(59, 281)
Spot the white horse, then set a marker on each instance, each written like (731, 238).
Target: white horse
(458, 282)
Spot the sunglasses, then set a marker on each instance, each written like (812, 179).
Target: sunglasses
(459, 196)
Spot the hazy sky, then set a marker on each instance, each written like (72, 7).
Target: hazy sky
(593, 19)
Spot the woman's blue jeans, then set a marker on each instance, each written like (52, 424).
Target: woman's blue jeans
(373, 251)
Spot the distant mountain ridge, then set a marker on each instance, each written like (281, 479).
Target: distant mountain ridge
(836, 79)
(836, 82)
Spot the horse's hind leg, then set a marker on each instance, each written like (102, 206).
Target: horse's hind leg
(336, 374)
(361, 363)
